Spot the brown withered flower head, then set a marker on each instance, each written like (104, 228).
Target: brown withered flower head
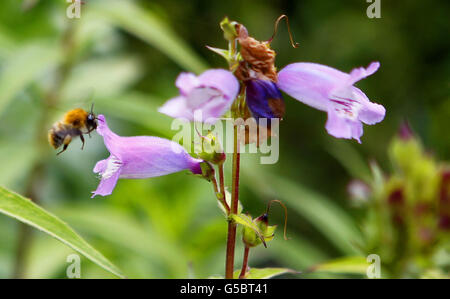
(258, 58)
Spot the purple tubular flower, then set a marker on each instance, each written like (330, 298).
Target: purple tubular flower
(264, 99)
(139, 157)
(212, 93)
(332, 91)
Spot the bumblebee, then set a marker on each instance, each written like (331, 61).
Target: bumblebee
(71, 126)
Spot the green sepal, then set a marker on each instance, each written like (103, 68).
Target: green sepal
(229, 29)
(268, 234)
(210, 149)
(207, 171)
(248, 224)
(222, 52)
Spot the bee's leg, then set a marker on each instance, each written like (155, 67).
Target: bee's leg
(67, 140)
(64, 148)
(82, 140)
(89, 132)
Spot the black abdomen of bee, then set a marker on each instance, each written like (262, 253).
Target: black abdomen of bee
(57, 135)
(57, 139)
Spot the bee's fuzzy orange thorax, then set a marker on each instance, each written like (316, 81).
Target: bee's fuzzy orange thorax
(76, 117)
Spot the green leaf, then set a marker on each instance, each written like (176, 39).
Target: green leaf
(101, 78)
(248, 222)
(263, 273)
(24, 66)
(17, 158)
(347, 265)
(47, 259)
(147, 26)
(24, 210)
(7, 45)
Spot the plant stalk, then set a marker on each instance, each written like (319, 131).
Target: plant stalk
(222, 187)
(244, 263)
(220, 194)
(231, 239)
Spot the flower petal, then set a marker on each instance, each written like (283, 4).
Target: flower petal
(100, 167)
(361, 73)
(186, 82)
(109, 170)
(222, 80)
(342, 127)
(176, 108)
(106, 186)
(331, 90)
(139, 157)
(310, 83)
(370, 113)
(211, 93)
(148, 156)
(109, 137)
(264, 99)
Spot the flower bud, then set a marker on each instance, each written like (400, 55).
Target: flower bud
(207, 171)
(229, 29)
(405, 153)
(396, 201)
(359, 192)
(211, 150)
(405, 132)
(251, 239)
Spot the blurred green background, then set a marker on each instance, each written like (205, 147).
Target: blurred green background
(128, 54)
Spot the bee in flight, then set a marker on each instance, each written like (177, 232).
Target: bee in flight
(71, 126)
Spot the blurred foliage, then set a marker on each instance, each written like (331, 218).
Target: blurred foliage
(407, 220)
(128, 54)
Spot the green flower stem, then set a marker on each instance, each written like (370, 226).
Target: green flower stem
(231, 235)
(220, 194)
(244, 263)
(231, 239)
(222, 188)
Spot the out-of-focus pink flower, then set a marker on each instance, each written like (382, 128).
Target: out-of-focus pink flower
(212, 93)
(139, 157)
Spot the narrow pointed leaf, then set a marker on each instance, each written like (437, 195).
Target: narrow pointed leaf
(146, 25)
(347, 265)
(24, 210)
(24, 66)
